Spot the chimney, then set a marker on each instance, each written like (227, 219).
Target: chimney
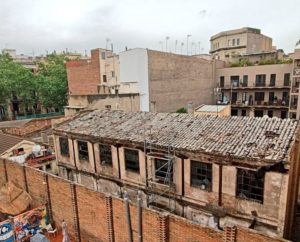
(190, 107)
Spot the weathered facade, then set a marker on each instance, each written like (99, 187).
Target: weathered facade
(215, 171)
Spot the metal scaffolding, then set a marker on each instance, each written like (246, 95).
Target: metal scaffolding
(159, 173)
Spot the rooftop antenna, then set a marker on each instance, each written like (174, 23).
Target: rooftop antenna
(176, 42)
(182, 44)
(112, 47)
(107, 41)
(199, 43)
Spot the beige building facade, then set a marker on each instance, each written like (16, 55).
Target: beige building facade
(228, 44)
(256, 90)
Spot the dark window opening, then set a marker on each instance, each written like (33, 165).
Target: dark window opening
(270, 113)
(132, 160)
(250, 185)
(234, 97)
(234, 112)
(164, 170)
(258, 113)
(286, 80)
(260, 80)
(272, 80)
(201, 175)
(245, 81)
(64, 146)
(259, 96)
(244, 112)
(113, 74)
(283, 114)
(48, 167)
(105, 154)
(271, 98)
(104, 78)
(222, 81)
(83, 150)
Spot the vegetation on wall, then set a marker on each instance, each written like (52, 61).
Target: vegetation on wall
(246, 62)
(181, 110)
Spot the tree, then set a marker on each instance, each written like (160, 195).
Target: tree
(52, 83)
(17, 83)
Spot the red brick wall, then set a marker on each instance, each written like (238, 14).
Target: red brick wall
(86, 212)
(182, 230)
(92, 215)
(84, 75)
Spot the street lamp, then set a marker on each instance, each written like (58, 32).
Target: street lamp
(167, 38)
(187, 43)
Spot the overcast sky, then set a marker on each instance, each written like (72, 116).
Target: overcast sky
(40, 25)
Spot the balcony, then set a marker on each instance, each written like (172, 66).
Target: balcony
(253, 87)
(261, 104)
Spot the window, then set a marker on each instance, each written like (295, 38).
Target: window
(250, 185)
(83, 150)
(132, 160)
(164, 170)
(245, 81)
(64, 146)
(260, 80)
(258, 113)
(270, 113)
(103, 55)
(48, 167)
(201, 175)
(229, 42)
(234, 112)
(234, 97)
(286, 81)
(235, 81)
(244, 112)
(233, 42)
(259, 96)
(285, 98)
(222, 81)
(272, 80)
(104, 78)
(244, 97)
(283, 114)
(271, 98)
(237, 41)
(105, 155)
(113, 74)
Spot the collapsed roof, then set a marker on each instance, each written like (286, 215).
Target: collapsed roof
(267, 139)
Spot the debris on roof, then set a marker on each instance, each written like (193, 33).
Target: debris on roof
(241, 137)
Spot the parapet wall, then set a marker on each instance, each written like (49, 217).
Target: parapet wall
(95, 216)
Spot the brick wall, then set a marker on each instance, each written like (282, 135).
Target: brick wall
(94, 216)
(84, 75)
(31, 127)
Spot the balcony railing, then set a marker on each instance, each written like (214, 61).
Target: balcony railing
(278, 103)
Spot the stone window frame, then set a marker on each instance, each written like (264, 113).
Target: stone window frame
(250, 185)
(64, 147)
(103, 156)
(83, 154)
(206, 174)
(129, 166)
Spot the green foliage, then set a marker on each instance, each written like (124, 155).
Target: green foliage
(181, 110)
(241, 62)
(52, 83)
(15, 82)
(274, 61)
(48, 86)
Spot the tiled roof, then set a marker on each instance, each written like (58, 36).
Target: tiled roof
(8, 141)
(14, 123)
(255, 138)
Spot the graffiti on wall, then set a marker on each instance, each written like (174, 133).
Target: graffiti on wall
(32, 221)
(6, 231)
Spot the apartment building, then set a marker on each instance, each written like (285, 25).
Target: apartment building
(256, 90)
(166, 81)
(215, 171)
(94, 83)
(260, 90)
(229, 44)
